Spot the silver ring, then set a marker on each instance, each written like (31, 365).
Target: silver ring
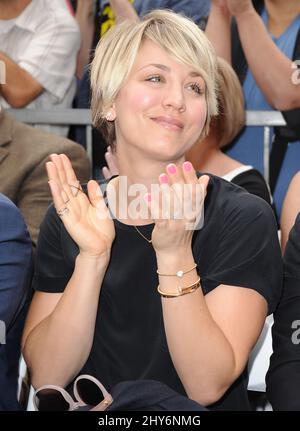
(63, 211)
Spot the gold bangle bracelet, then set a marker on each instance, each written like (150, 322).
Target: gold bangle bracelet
(179, 274)
(181, 290)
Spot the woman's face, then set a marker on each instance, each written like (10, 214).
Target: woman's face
(161, 107)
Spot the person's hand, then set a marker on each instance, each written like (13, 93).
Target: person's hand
(88, 4)
(112, 165)
(86, 218)
(220, 4)
(178, 210)
(237, 7)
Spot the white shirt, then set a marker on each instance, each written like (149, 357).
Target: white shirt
(44, 40)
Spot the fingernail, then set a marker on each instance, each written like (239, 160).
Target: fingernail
(163, 179)
(147, 197)
(187, 166)
(171, 169)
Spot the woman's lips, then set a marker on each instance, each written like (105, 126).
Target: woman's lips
(169, 123)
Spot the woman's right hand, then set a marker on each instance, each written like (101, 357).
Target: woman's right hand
(86, 218)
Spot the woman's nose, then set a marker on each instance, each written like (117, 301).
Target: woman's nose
(174, 98)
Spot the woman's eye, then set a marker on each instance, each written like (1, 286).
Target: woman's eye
(196, 88)
(155, 78)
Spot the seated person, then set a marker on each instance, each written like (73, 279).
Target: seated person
(283, 377)
(140, 295)
(258, 36)
(39, 42)
(15, 278)
(23, 153)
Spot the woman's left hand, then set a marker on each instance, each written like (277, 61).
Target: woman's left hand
(179, 208)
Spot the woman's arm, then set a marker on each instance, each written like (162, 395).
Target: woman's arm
(271, 69)
(218, 29)
(210, 337)
(59, 330)
(85, 19)
(208, 348)
(123, 9)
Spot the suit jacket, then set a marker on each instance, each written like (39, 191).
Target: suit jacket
(15, 279)
(24, 151)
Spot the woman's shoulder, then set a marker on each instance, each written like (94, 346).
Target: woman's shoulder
(228, 206)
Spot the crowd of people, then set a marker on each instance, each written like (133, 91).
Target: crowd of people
(178, 176)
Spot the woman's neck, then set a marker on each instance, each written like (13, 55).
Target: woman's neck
(143, 171)
(281, 14)
(137, 179)
(206, 156)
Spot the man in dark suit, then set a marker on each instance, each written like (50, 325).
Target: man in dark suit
(24, 150)
(15, 279)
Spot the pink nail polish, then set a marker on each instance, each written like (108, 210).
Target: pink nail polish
(171, 169)
(187, 166)
(163, 179)
(147, 197)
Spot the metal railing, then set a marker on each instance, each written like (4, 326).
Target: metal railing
(82, 117)
(267, 119)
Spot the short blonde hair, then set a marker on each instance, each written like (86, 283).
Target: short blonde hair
(232, 116)
(117, 50)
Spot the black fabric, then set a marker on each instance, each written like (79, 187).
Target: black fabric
(149, 395)
(277, 155)
(283, 377)
(253, 181)
(238, 246)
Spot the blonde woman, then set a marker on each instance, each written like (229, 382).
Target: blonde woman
(179, 299)
(206, 155)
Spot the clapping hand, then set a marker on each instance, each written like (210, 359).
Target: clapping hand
(85, 217)
(178, 210)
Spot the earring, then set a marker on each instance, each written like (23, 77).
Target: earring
(109, 116)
